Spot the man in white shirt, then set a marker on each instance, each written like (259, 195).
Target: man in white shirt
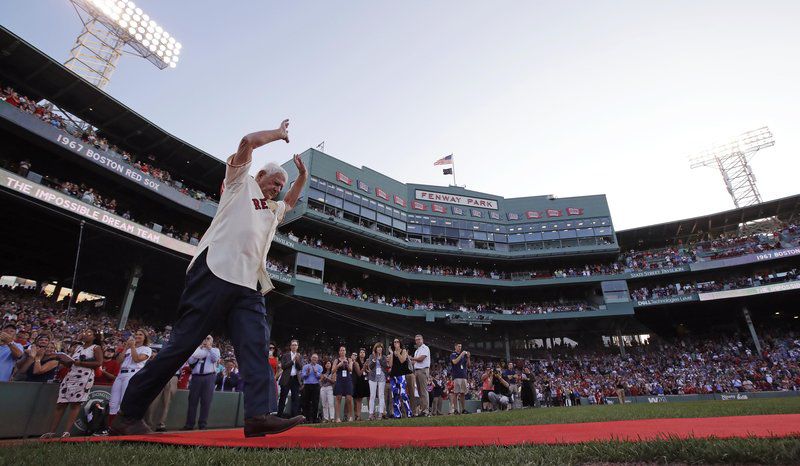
(422, 365)
(201, 386)
(226, 282)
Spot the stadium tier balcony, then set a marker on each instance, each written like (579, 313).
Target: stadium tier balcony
(81, 139)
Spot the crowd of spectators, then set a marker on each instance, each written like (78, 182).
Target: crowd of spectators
(87, 134)
(278, 265)
(417, 304)
(461, 271)
(560, 375)
(723, 247)
(93, 197)
(729, 283)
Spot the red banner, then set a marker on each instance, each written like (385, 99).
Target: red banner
(476, 213)
(343, 178)
(418, 205)
(381, 193)
(399, 200)
(574, 211)
(438, 208)
(533, 214)
(553, 213)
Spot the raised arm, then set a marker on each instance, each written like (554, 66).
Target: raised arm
(255, 140)
(294, 192)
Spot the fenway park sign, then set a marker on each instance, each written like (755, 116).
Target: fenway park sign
(456, 199)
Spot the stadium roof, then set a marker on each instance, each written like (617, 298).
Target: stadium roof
(785, 209)
(36, 75)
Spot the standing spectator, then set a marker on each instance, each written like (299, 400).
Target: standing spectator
(437, 394)
(74, 389)
(44, 362)
(450, 389)
(326, 381)
(24, 367)
(361, 389)
(487, 386)
(620, 389)
(10, 351)
(136, 354)
(378, 370)
(398, 370)
(459, 361)
(422, 364)
(201, 386)
(156, 415)
(273, 363)
(108, 371)
(311, 374)
(528, 393)
(228, 378)
(291, 366)
(184, 376)
(343, 373)
(510, 376)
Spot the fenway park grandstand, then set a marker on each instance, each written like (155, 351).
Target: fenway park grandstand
(103, 210)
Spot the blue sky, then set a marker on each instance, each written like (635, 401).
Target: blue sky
(566, 98)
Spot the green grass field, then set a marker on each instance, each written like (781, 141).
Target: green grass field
(693, 451)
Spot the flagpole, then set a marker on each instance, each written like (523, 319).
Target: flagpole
(453, 157)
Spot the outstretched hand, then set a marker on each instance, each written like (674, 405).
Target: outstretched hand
(301, 167)
(283, 129)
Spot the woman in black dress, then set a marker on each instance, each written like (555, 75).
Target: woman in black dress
(361, 389)
(528, 392)
(343, 387)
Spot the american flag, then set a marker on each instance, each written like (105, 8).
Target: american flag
(447, 160)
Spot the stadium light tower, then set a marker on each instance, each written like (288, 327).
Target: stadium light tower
(733, 161)
(110, 25)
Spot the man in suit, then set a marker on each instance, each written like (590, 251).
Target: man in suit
(228, 380)
(292, 365)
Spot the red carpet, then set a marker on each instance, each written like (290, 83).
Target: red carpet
(777, 425)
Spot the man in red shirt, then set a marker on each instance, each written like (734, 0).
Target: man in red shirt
(107, 372)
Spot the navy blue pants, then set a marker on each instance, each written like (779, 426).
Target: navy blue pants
(294, 387)
(208, 302)
(201, 390)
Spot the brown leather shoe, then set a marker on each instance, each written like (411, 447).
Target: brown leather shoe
(124, 425)
(268, 424)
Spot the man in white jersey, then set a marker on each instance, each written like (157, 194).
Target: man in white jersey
(226, 282)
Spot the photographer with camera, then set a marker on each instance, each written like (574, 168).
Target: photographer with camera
(501, 395)
(132, 359)
(201, 386)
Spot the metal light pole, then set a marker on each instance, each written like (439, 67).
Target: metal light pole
(74, 298)
(733, 162)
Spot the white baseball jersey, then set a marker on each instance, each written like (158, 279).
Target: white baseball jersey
(128, 363)
(241, 232)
